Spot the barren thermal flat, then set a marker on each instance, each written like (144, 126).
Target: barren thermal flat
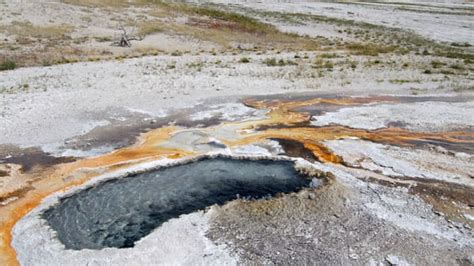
(448, 22)
(236, 132)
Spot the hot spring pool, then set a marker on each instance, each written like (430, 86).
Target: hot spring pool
(118, 212)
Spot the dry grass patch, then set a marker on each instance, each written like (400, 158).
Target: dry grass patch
(225, 29)
(149, 27)
(226, 38)
(370, 49)
(319, 63)
(99, 3)
(26, 30)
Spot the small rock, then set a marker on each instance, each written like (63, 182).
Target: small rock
(469, 260)
(354, 256)
(462, 155)
(394, 260)
(441, 150)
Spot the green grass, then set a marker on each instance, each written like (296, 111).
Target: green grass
(196, 65)
(437, 64)
(446, 72)
(244, 60)
(403, 81)
(176, 53)
(464, 88)
(103, 39)
(353, 64)
(46, 63)
(457, 44)
(320, 63)
(457, 67)
(270, 61)
(453, 52)
(7, 65)
(274, 62)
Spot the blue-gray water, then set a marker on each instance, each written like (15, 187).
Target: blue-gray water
(118, 212)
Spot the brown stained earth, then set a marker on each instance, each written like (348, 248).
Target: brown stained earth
(28, 158)
(296, 149)
(282, 123)
(446, 198)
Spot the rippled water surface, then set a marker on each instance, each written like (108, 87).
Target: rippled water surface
(118, 212)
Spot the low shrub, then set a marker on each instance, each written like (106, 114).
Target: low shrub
(7, 65)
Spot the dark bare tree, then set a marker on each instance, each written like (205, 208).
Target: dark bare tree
(125, 39)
